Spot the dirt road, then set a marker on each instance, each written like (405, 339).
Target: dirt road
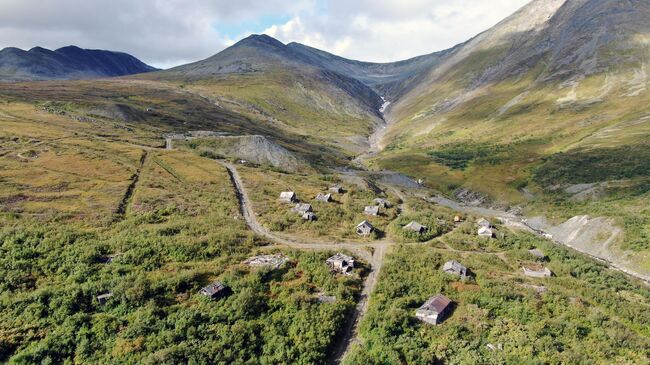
(375, 260)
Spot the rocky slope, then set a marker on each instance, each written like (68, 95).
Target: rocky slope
(66, 63)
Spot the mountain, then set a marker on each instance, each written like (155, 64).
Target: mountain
(265, 79)
(66, 63)
(390, 79)
(547, 111)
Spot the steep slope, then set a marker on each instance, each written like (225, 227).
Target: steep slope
(390, 80)
(66, 63)
(265, 79)
(552, 97)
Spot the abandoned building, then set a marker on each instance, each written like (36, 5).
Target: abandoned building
(103, 298)
(434, 310)
(457, 219)
(485, 232)
(302, 208)
(288, 197)
(365, 228)
(537, 253)
(382, 203)
(371, 210)
(216, 290)
(325, 198)
(338, 189)
(415, 227)
(341, 263)
(273, 261)
(309, 216)
(537, 272)
(455, 268)
(484, 223)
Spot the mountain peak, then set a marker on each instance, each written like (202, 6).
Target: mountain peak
(260, 39)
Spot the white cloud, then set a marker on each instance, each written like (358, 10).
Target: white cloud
(170, 32)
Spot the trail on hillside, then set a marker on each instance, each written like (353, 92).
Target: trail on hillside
(374, 259)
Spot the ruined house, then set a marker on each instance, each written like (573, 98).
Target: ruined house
(273, 261)
(338, 189)
(485, 232)
(288, 197)
(434, 310)
(365, 228)
(371, 210)
(103, 298)
(382, 203)
(415, 227)
(216, 290)
(302, 208)
(309, 216)
(537, 272)
(325, 198)
(457, 219)
(341, 263)
(455, 268)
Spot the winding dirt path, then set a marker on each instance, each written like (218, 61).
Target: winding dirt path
(374, 258)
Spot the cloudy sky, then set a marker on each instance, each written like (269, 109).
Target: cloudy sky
(170, 32)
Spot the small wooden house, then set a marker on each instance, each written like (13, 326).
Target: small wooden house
(434, 310)
(103, 298)
(485, 232)
(416, 227)
(382, 203)
(325, 198)
(288, 197)
(365, 228)
(484, 223)
(216, 290)
(337, 189)
(371, 210)
(302, 208)
(309, 216)
(341, 263)
(455, 268)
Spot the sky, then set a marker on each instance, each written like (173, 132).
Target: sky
(167, 33)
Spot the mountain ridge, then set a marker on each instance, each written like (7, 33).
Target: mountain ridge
(66, 63)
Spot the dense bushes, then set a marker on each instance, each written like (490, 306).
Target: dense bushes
(588, 315)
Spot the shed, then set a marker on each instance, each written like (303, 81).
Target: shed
(338, 189)
(309, 216)
(455, 268)
(326, 198)
(371, 210)
(365, 228)
(485, 232)
(484, 223)
(416, 227)
(382, 203)
(341, 263)
(302, 208)
(288, 197)
(434, 310)
(216, 290)
(537, 272)
(103, 298)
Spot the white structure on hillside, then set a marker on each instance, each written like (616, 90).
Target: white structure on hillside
(288, 197)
